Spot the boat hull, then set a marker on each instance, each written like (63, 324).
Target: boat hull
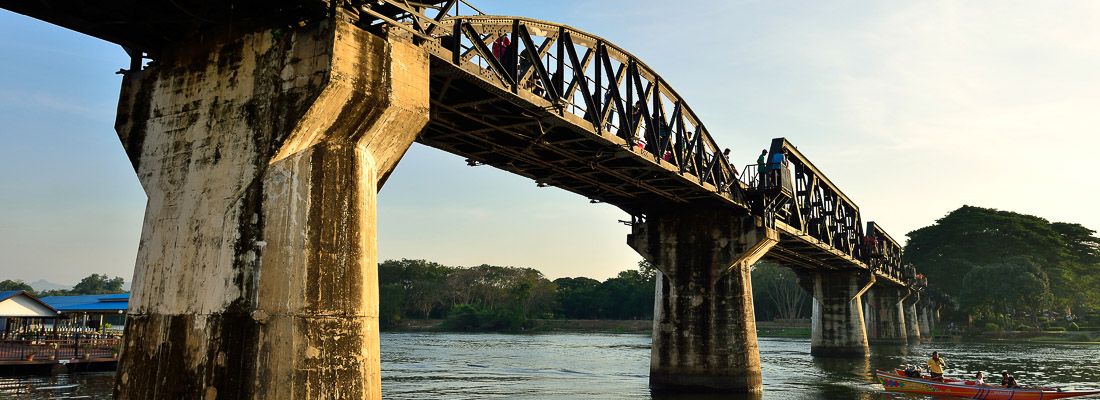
(893, 382)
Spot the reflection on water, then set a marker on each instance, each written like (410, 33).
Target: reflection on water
(86, 385)
(609, 366)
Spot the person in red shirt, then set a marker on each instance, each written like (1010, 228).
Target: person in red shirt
(500, 46)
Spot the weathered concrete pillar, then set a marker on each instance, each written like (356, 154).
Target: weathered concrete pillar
(837, 327)
(704, 330)
(889, 315)
(262, 156)
(925, 324)
(870, 319)
(912, 321)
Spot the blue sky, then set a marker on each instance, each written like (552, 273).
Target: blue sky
(913, 108)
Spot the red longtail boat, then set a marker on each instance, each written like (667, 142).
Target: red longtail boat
(897, 381)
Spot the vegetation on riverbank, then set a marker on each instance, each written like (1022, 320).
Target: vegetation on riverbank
(789, 329)
(495, 298)
(991, 272)
(1000, 271)
(91, 284)
(508, 299)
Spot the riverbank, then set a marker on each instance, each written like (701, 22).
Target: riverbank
(781, 329)
(1052, 337)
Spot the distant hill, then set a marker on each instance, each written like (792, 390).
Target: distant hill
(42, 285)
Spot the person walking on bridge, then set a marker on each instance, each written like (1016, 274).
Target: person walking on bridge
(500, 47)
(761, 168)
(775, 168)
(936, 364)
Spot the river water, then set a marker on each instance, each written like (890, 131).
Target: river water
(616, 366)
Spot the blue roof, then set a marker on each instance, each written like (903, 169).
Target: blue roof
(5, 294)
(92, 302)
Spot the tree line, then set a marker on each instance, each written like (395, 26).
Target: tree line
(998, 265)
(489, 297)
(91, 284)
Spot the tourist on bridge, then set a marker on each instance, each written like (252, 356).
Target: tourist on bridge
(761, 167)
(870, 242)
(936, 364)
(775, 168)
(500, 46)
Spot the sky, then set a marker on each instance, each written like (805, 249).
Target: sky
(912, 108)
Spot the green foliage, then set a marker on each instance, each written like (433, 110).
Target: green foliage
(488, 297)
(99, 284)
(1055, 329)
(1074, 327)
(1015, 284)
(992, 261)
(472, 318)
(9, 284)
(992, 327)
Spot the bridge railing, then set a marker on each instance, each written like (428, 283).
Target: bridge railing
(817, 207)
(588, 77)
(573, 72)
(808, 202)
(881, 251)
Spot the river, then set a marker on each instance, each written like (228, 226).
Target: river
(616, 366)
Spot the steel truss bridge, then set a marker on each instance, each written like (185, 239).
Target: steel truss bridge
(570, 109)
(558, 105)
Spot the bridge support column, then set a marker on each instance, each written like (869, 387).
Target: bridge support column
(704, 330)
(912, 320)
(870, 319)
(261, 155)
(925, 325)
(889, 315)
(837, 327)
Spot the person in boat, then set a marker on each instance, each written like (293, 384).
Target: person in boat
(936, 364)
(979, 379)
(912, 371)
(1008, 381)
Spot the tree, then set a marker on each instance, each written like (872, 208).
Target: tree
(9, 284)
(99, 284)
(987, 240)
(776, 291)
(1083, 264)
(1017, 284)
(576, 297)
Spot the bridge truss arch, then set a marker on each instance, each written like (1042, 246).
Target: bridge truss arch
(605, 91)
(594, 85)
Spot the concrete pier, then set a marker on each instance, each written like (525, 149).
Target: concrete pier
(704, 330)
(261, 156)
(912, 320)
(837, 327)
(889, 315)
(870, 318)
(925, 321)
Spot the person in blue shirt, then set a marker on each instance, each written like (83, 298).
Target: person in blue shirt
(777, 160)
(775, 166)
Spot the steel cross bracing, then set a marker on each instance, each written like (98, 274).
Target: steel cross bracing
(809, 208)
(570, 109)
(581, 83)
(558, 105)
